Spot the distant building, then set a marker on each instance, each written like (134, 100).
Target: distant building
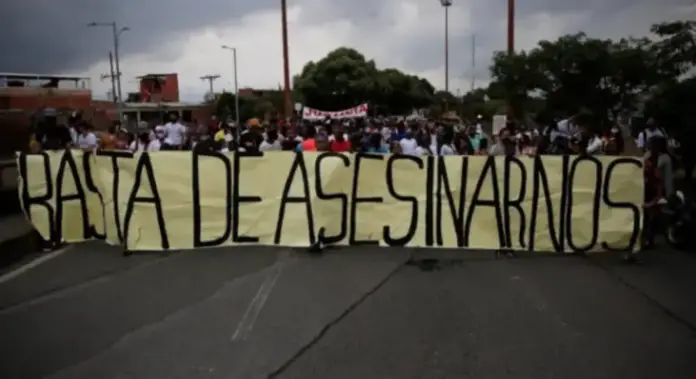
(31, 92)
(156, 88)
(24, 96)
(253, 92)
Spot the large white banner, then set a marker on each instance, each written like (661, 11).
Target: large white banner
(315, 114)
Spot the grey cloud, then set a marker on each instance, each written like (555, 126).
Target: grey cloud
(489, 20)
(51, 36)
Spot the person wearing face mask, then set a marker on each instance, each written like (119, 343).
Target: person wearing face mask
(175, 134)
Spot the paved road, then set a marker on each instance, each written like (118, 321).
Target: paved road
(354, 313)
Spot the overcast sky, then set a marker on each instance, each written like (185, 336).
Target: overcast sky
(50, 37)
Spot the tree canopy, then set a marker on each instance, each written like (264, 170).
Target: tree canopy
(344, 78)
(606, 77)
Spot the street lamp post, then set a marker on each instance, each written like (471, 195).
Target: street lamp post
(510, 43)
(236, 88)
(446, 4)
(286, 59)
(116, 34)
(511, 27)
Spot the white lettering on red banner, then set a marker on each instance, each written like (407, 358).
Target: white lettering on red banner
(315, 114)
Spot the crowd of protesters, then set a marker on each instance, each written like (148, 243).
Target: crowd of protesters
(416, 137)
(375, 135)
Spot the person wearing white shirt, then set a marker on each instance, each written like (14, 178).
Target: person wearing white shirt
(651, 130)
(386, 133)
(73, 134)
(408, 146)
(158, 133)
(333, 138)
(479, 127)
(433, 140)
(175, 134)
(447, 147)
(595, 145)
(271, 142)
(86, 139)
(141, 145)
(565, 129)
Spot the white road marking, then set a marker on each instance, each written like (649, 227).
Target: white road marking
(252, 312)
(34, 263)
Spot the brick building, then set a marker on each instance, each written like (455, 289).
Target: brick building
(22, 96)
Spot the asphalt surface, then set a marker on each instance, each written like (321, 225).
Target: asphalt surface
(351, 313)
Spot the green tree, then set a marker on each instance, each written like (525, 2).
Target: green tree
(344, 78)
(676, 47)
(670, 101)
(479, 102)
(576, 72)
(249, 107)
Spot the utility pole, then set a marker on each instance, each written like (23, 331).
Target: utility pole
(286, 58)
(510, 42)
(236, 89)
(211, 79)
(116, 31)
(446, 4)
(112, 76)
(511, 27)
(473, 61)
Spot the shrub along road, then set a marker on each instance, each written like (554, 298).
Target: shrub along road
(351, 313)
